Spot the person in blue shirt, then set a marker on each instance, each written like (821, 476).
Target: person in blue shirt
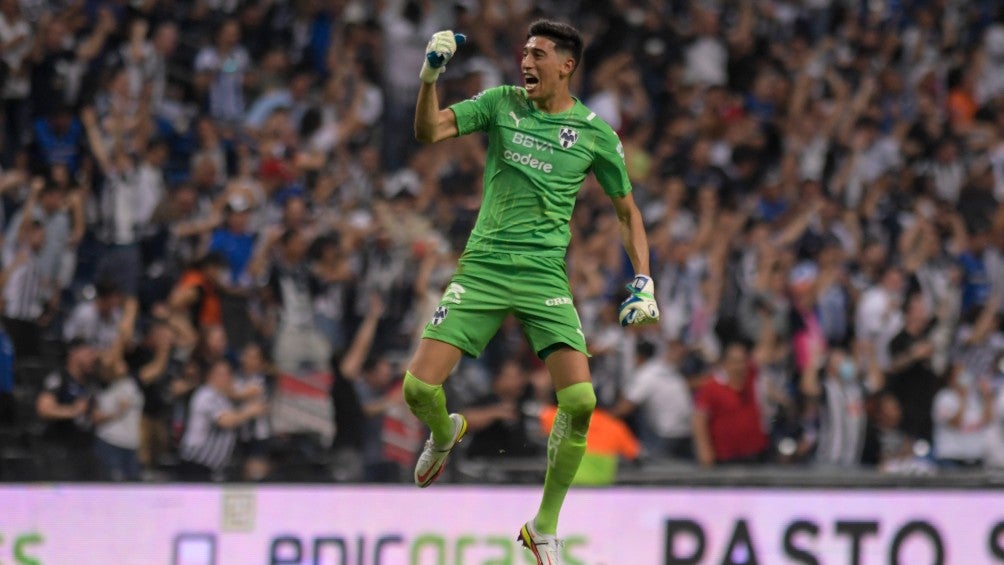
(7, 408)
(975, 277)
(59, 136)
(235, 241)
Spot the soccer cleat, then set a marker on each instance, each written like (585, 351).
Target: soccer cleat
(546, 548)
(432, 461)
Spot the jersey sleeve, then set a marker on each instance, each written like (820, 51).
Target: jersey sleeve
(608, 164)
(478, 112)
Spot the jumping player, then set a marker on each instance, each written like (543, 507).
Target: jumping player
(541, 144)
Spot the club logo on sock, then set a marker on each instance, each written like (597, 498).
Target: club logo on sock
(440, 315)
(559, 432)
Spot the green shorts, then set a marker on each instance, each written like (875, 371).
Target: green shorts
(487, 287)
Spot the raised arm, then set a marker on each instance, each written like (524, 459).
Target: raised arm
(352, 363)
(90, 119)
(632, 232)
(126, 328)
(431, 123)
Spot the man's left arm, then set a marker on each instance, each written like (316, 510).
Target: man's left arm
(608, 166)
(640, 307)
(632, 231)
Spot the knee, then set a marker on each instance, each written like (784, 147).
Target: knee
(578, 400)
(416, 391)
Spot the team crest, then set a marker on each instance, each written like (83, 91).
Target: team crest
(567, 137)
(440, 315)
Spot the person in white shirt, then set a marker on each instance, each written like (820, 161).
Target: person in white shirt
(962, 413)
(118, 407)
(15, 84)
(879, 314)
(220, 69)
(659, 392)
(96, 321)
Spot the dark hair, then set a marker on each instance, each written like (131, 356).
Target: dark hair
(211, 260)
(645, 348)
(106, 288)
(565, 37)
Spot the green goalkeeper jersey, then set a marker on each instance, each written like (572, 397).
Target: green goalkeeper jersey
(535, 166)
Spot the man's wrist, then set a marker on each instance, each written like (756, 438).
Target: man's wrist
(430, 75)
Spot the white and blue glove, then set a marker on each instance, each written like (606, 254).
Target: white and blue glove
(639, 308)
(438, 52)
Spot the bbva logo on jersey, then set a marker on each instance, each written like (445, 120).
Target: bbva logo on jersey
(567, 137)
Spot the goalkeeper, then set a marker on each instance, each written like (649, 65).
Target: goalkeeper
(542, 143)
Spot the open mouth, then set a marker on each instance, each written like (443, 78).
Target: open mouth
(530, 81)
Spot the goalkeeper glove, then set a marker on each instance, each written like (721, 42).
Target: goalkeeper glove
(640, 307)
(438, 52)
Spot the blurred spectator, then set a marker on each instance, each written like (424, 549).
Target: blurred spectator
(911, 377)
(195, 299)
(16, 44)
(119, 203)
(49, 204)
(661, 397)
(503, 422)
(331, 277)
(962, 414)
(727, 424)
(97, 320)
(24, 294)
(59, 136)
(252, 385)
(221, 73)
(837, 388)
(879, 316)
(8, 405)
(380, 396)
(154, 367)
(118, 406)
(213, 421)
(64, 405)
(350, 442)
(212, 346)
(899, 452)
(299, 345)
(235, 240)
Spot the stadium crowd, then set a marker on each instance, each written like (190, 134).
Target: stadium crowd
(220, 239)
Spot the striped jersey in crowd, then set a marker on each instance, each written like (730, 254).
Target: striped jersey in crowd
(204, 441)
(24, 293)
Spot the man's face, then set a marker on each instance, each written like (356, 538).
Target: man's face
(220, 376)
(84, 358)
(107, 304)
(543, 68)
(51, 200)
(734, 363)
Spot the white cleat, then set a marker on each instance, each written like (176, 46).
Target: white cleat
(432, 461)
(546, 548)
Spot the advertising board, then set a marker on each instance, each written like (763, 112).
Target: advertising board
(341, 525)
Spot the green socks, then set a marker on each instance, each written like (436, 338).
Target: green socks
(565, 447)
(428, 403)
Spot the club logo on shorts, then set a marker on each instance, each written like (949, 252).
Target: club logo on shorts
(567, 137)
(559, 301)
(453, 293)
(440, 315)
